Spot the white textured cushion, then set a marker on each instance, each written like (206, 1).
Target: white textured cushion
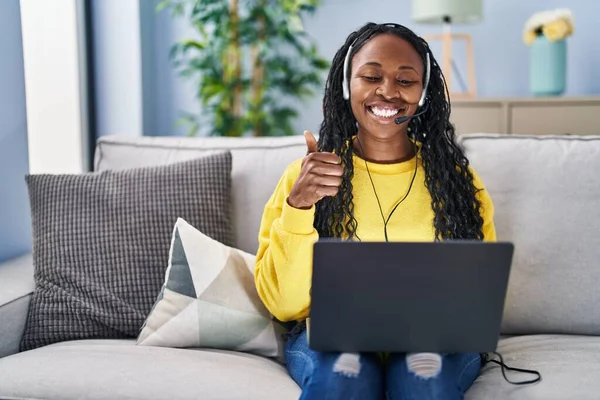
(209, 300)
(546, 192)
(257, 165)
(570, 367)
(117, 369)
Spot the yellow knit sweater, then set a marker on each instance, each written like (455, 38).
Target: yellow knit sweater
(283, 269)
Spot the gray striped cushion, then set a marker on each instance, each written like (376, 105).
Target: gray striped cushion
(101, 243)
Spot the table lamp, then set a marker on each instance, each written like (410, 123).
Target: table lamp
(446, 13)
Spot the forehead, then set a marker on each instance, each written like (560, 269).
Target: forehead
(390, 51)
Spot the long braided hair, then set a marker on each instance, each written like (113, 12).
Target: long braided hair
(447, 174)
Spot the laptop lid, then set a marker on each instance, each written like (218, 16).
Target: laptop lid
(439, 297)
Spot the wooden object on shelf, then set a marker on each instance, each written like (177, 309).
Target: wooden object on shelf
(556, 115)
(447, 39)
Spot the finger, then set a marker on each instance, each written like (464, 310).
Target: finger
(311, 142)
(328, 158)
(327, 169)
(328, 180)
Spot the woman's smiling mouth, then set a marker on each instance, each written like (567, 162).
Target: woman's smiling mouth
(385, 113)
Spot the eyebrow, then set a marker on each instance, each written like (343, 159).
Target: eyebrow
(402, 67)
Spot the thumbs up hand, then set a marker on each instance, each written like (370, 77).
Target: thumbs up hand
(320, 176)
(311, 143)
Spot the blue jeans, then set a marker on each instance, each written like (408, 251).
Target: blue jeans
(317, 375)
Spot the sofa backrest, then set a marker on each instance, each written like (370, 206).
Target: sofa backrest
(546, 193)
(545, 190)
(257, 165)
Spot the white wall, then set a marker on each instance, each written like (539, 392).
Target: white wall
(56, 110)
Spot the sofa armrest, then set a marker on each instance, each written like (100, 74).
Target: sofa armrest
(16, 287)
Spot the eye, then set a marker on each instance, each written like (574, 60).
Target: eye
(405, 82)
(371, 78)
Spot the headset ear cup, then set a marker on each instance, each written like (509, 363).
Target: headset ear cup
(345, 85)
(427, 75)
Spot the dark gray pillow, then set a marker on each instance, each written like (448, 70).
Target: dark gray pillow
(101, 243)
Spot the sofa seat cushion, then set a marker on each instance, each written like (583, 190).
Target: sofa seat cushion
(570, 367)
(118, 369)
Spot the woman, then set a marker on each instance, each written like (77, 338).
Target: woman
(386, 167)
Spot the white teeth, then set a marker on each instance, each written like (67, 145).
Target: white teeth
(384, 112)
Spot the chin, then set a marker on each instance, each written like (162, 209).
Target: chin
(384, 127)
(384, 133)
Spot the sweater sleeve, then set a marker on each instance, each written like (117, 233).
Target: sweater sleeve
(486, 210)
(283, 270)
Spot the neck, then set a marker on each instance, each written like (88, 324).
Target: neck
(384, 151)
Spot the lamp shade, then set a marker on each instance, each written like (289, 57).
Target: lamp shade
(453, 11)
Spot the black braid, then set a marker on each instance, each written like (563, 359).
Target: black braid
(447, 175)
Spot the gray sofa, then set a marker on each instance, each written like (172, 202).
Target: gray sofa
(545, 191)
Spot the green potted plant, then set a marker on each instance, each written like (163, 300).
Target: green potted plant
(251, 60)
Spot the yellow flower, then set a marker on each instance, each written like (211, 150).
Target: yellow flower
(529, 37)
(555, 25)
(570, 26)
(556, 30)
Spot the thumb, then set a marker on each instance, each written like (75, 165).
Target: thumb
(311, 142)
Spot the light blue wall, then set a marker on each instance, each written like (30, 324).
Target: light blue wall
(501, 57)
(173, 94)
(117, 67)
(14, 163)
(150, 100)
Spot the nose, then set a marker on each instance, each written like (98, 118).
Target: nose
(388, 89)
